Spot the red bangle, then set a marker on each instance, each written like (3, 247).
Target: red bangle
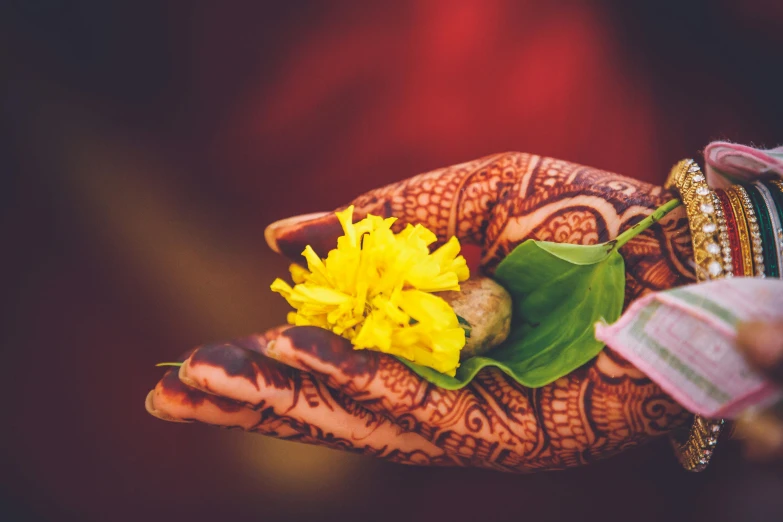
(734, 240)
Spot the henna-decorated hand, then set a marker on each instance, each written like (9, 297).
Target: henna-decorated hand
(306, 384)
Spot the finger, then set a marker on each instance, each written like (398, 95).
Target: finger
(495, 202)
(173, 401)
(236, 371)
(762, 344)
(488, 423)
(290, 236)
(762, 436)
(453, 201)
(385, 386)
(493, 421)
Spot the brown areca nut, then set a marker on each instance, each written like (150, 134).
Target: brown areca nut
(486, 306)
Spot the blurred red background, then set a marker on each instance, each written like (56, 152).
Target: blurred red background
(147, 145)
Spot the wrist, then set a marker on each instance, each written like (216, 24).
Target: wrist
(659, 258)
(676, 245)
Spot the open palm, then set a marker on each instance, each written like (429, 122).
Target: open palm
(307, 384)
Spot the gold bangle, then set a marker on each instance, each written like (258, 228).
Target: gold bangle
(686, 178)
(695, 450)
(755, 233)
(742, 230)
(723, 236)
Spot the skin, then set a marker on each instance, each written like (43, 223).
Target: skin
(762, 345)
(306, 384)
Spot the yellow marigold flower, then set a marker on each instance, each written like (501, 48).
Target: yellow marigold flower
(376, 288)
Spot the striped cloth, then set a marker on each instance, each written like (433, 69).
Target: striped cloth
(684, 340)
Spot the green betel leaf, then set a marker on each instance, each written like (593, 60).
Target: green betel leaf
(465, 324)
(559, 292)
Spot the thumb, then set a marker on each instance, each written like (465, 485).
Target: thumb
(762, 344)
(290, 236)
(453, 201)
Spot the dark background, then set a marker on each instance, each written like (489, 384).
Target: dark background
(144, 146)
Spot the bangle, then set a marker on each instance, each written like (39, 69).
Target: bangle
(778, 196)
(729, 230)
(733, 244)
(775, 212)
(779, 184)
(755, 233)
(686, 178)
(695, 450)
(765, 226)
(775, 187)
(745, 257)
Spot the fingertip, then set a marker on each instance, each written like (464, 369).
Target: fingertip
(184, 378)
(313, 348)
(232, 371)
(291, 235)
(272, 334)
(215, 367)
(762, 344)
(746, 336)
(149, 405)
(762, 437)
(195, 406)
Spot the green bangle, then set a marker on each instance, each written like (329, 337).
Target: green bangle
(776, 189)
(765, 224)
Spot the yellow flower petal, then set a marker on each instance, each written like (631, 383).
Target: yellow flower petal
(446, 256)
(373, 223)
(383, 304)
(440, 283)
(314, 264)
(299, 273)
(346, 220)
(321, 295)
(281, 287)
(375, 290)
(374, 333)
(428, 309)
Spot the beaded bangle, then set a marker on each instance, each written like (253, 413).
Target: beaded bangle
(765, 224)
(695, 451)
(687, 179)
(732, 235)
(755, 233)
(776, 217)
(745, 260)
(723, 236)
(778, 194)
(772, 184)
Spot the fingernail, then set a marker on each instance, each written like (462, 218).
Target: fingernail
(269, 349)
(149, 404)
(271, 232)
